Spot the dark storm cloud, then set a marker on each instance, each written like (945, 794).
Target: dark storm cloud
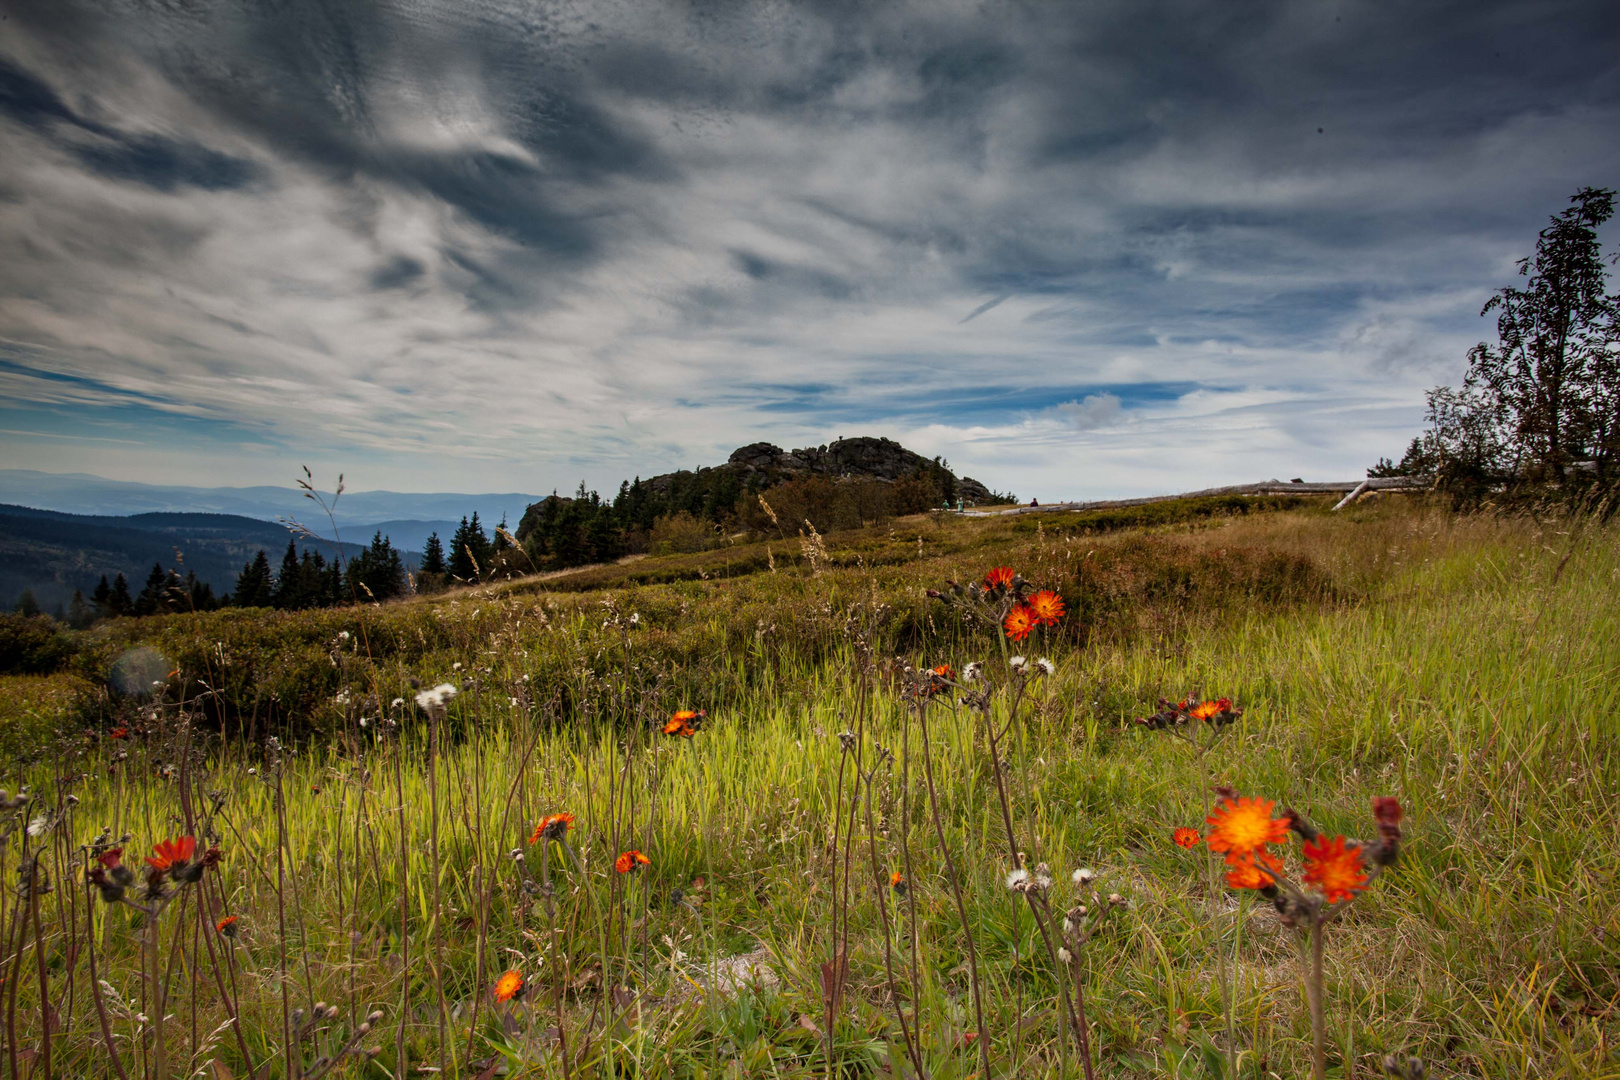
(157, 161)
(987, 224)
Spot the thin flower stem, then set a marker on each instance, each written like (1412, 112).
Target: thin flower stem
(1313, 988)
(1211, 872)
(981, 1036)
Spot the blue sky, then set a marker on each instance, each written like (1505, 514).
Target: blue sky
(1079, 250)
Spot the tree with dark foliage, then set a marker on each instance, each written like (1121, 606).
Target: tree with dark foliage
(1542, 405)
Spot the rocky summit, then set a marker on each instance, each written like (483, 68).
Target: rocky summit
(846, 459)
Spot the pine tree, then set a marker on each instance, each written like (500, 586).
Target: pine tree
(102, 597)
(289, 591)
(377, 573)
(80, 614)
(27, 606)
(432, 556)
(253, 584)
(120, 602)
(150, 600)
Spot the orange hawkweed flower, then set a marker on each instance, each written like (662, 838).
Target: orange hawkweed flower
(554, 827)
(119, 733)
(897, 882)
(630, 860)
(1246, 875)
(1206, 710)
(168, 854)
(1187, 838)
(508, 986)
(1019, 622)
(684, 723)
(1338, 871)
(1047, 607)
(1243, 826)
(944, 671)
(227, 925)
(999, 577)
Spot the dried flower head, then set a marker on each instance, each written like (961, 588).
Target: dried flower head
(508, 986)
(630, 861)
(1083, 876)
(1186, 837)
(1017, 879)
(970, 672)
(438, 697)
(1045, 666)
(554, 827)
(1338, 871)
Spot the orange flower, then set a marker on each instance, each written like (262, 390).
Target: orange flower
(630, 860)
(168, 854)
(227, 926)
(1187, 838)
(1338, 871)
(1243, 826)
(897, 882)
(554, 827)
(1019, 622)
(1207, 709)
(684, 723)
(508, 986)
(119, 733)
(944, 671)
(999, 577)
(1047, 607)
(1245, 875)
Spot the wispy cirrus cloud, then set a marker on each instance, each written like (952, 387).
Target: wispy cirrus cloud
(1077, 251)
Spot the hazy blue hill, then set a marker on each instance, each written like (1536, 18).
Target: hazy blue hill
(356, 511)
(54, 553)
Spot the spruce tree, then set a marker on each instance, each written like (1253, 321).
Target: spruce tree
(253, 584)
(432, 555)
(80, 614)
(102, 597)
(121, 602)
(27, 606)
(289, 592)
(150, 600)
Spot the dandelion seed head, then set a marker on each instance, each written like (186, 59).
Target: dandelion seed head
(1064, 955)
(1017, 878)
(970, 672)
(1046, 666)
(1017, 663)
(38, 826)
(1083, 876)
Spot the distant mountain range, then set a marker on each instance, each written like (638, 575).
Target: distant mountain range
(52, 554)
(357, 512)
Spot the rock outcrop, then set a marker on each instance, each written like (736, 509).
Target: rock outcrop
(860, 458)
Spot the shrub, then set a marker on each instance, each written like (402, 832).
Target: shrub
(33, 645)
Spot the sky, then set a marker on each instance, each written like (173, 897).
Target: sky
(1080, 249)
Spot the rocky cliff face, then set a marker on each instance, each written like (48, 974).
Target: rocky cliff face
(861, 458)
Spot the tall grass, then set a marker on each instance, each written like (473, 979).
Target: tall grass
(1395, 651)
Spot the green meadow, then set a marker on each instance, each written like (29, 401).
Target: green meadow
(369, 847)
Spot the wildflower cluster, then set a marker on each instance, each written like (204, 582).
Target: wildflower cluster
(1335, 869)
(1003, 598)
(1191, 711)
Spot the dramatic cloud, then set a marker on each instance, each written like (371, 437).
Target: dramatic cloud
(1078, 250)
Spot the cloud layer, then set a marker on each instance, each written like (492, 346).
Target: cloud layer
(1079, 251)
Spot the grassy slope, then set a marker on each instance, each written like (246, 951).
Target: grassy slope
(1390, 651)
